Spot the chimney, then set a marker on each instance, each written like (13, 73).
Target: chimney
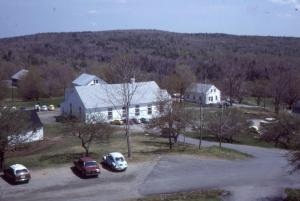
(132, 80)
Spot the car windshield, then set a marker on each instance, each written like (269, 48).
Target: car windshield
(119, 159)
(90, 163)
(24, 171)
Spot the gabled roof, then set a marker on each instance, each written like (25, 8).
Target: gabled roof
(85, 79)
(110, 95)
(21, 73)
(199, 87)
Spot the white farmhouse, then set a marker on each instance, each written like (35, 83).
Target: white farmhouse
(106, 101)
(203, 93)
(86, 79)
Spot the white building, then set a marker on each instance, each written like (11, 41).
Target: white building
(106, 101)
(86, 79)
(203, 93)
(34, 130)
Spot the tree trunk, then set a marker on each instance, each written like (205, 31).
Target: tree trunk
(2, 160)
(127, 132)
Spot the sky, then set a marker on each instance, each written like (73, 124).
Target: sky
(239, 17)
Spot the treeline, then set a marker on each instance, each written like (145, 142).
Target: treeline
(239, 65)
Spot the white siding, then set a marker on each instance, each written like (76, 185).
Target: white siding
(212, 96)
(102, 114)
(73, 106)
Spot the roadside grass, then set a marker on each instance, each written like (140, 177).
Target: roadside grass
(42, 101)
(208, 195)
(292, 194)
(246, 136)
(60, 147)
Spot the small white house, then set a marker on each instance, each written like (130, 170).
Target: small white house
(106, 101)
(86, 80)
(203, 93)
(33, 131)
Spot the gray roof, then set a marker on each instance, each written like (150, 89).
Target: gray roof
(199, 88)
(85, 78)
(110, 95)
(21, 73)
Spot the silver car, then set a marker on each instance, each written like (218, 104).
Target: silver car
(115, 161)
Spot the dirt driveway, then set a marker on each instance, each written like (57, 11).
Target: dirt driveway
(260, 178)
(48, 117)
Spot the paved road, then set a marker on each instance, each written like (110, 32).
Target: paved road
(262, 177)
(258, 178)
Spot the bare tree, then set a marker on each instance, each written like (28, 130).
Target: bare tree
(13, 131)
(180, 80)
(124, 72)
(90, 131)
(281, 131)
(224, 124)
(278, 83)
(172, 119)
(32, 86)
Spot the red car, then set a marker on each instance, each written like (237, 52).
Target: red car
(17, 173)
(87, 166)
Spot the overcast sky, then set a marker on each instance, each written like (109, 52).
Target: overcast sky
(242, 17)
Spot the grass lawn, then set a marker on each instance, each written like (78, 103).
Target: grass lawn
(209, 195)
(246, 136)
(292, 194)
(59, 147)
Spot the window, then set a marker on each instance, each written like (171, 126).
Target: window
(216, 98)
(124, 112)
(137, 110)
(95, 81)
(109, 113)
(149, 109)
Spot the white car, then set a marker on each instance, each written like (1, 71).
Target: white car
(44, 108)
(115, 161)
(37, 108)
(17, 173)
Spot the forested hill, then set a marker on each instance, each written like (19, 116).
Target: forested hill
(158, 52)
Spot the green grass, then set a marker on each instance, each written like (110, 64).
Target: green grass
(59, 147)
(292, 194)
(245, 138)
(209, 195)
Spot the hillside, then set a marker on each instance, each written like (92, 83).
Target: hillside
(158, 51)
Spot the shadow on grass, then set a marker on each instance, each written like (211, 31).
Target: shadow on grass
(64, 157)
(155, 143)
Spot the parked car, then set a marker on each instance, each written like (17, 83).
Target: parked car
(44, 108)
(130, 122)
(116, 122)
(115, 161)
(17, 173)
(37, 108)
(144, 120)
(51, 108)
(136, 121)
(87, 166)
